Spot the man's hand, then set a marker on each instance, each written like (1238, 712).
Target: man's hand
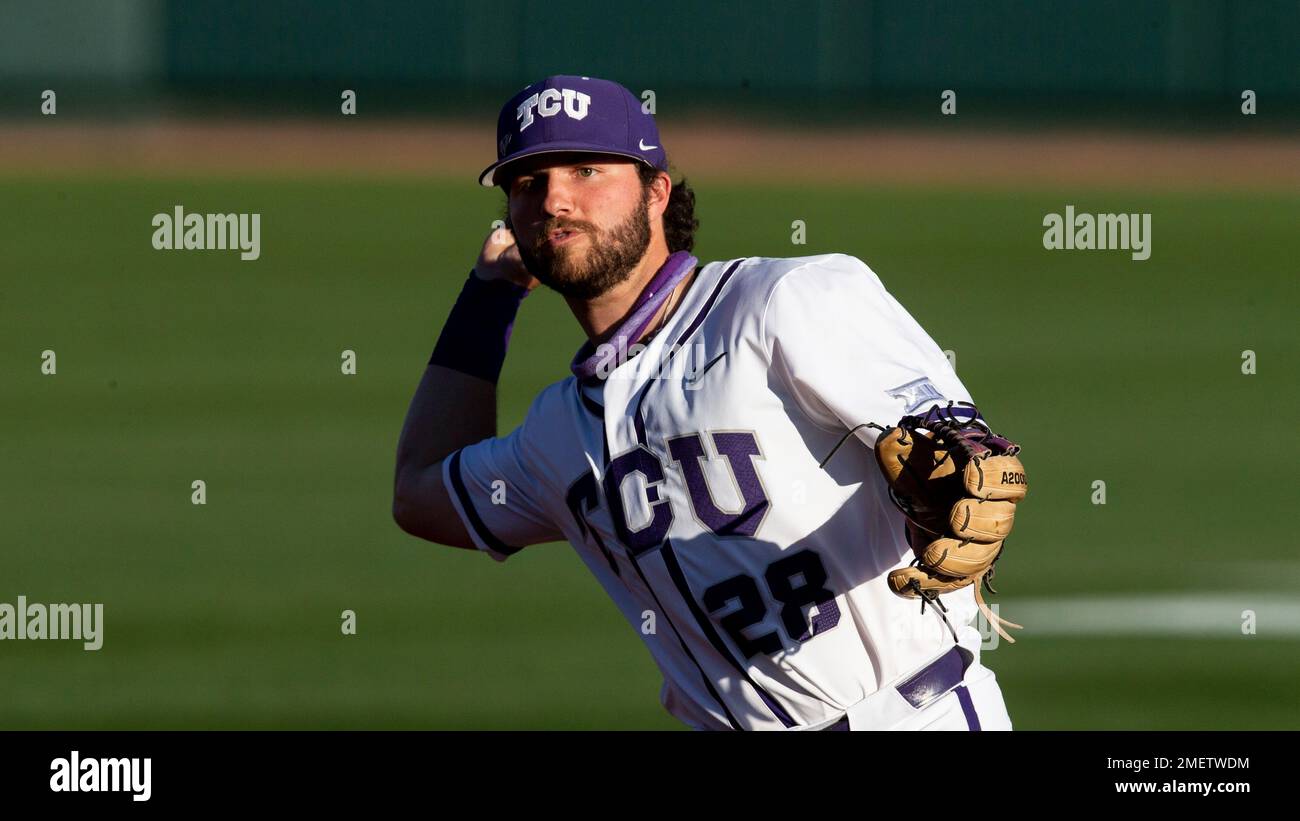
(500, 260)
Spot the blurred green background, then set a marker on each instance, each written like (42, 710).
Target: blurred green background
(176, 366)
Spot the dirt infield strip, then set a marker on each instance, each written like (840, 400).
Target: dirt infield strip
(700, 150)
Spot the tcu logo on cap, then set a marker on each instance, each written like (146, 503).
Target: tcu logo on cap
(549, 103)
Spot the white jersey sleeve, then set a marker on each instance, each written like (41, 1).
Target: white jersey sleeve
(849, 352)
(500, 499)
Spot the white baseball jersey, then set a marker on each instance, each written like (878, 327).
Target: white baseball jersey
(688, 482)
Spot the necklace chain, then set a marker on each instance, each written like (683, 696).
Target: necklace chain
(667, 310)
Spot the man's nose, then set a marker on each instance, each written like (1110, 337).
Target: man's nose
(559, 198)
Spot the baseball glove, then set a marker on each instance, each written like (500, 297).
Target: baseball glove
(958, 483)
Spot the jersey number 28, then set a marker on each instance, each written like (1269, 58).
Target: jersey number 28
(794, 581)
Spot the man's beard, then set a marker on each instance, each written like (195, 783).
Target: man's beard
(610, 257)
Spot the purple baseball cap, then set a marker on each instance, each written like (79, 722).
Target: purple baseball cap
(568, 113)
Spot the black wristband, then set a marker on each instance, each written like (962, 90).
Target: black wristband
(477, 332)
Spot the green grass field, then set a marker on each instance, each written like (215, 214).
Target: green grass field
(176, 366)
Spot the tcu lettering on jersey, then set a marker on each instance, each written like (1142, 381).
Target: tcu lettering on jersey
(738, 449)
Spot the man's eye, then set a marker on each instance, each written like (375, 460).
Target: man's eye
(523, 182)
(583, 171)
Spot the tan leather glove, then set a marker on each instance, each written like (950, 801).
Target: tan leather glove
(958, 484)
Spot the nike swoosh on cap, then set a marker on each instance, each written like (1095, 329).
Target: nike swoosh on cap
(641, 145)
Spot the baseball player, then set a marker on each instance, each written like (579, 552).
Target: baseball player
(686, 457)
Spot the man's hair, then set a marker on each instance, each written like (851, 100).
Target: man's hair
(680, 223)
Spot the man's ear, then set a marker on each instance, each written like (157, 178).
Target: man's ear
(664, 183)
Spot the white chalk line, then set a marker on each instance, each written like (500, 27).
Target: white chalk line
(1184, 615)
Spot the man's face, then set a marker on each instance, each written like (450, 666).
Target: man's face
(581, 221)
